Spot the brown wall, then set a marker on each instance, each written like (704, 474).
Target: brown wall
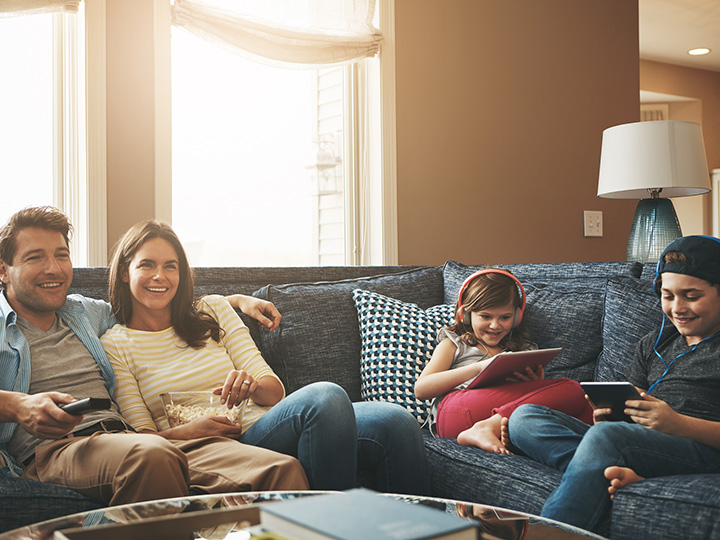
(703, 86)
(130, 115)
(500, 113)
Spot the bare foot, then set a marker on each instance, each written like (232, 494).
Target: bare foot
(485, 435)
(504, 432)
(620, 477)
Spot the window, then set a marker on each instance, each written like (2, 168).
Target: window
(26, 117)
(272, 166)
(42, 139)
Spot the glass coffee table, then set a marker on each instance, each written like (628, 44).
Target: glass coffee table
(235, 516)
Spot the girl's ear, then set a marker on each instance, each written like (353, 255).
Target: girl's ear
(125, 276)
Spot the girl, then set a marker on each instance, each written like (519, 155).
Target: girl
(167, 342)
(490, 308)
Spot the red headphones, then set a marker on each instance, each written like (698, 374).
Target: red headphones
(518, 311)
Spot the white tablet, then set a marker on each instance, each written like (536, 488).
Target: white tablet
(505, 364)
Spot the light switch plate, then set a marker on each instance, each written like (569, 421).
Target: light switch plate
(593, 223)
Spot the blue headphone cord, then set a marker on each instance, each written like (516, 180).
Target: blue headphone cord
(667, 367)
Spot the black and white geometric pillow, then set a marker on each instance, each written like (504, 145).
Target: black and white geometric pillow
(397, 341)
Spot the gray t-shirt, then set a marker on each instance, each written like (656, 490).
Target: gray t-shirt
(692, 384)
(61, 363)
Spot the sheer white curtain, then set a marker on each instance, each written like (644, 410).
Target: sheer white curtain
(289, 33)
(9, 8)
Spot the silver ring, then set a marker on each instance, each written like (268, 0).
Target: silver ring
(246, 382)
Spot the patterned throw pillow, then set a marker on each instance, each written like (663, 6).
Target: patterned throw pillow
(397, 341)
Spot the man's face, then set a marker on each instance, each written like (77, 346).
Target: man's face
(39, 276)
(692, 304)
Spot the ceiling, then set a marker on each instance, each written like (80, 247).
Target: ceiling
(669, 28)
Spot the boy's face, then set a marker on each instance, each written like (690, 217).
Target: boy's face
(692, 304)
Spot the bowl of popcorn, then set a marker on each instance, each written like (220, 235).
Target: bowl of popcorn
(183, 407)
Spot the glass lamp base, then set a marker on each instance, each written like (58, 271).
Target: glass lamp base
(654, 226)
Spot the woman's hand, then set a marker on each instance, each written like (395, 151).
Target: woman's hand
(529, 374)
(238, 386)
(264, 312)
(206, 426)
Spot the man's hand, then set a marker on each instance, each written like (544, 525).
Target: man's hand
(41, 415)
(264, 312)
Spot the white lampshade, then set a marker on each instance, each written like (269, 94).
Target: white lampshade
(667, 155)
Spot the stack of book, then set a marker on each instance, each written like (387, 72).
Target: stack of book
(361, 514)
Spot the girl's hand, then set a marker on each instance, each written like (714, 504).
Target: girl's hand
(206, 426)
(529, 374)
(239, 386)
(599, 415)
(654, 413)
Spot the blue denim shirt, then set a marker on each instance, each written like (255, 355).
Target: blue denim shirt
(88, 318)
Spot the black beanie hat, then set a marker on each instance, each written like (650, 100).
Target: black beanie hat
(703, 254)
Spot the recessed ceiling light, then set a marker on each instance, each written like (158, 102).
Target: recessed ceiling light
(699, 52)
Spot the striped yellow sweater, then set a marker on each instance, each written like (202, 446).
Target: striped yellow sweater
(147, 364)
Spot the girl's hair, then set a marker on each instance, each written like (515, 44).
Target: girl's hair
(489, 291)
(191, 325)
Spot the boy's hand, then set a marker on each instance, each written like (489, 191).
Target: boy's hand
(654, 413)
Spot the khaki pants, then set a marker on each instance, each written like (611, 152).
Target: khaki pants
(125, 467)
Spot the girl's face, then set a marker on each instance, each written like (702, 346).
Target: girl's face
(153, 276)
(692, 304)
(493, 324)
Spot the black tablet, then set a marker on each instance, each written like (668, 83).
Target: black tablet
(611, 395)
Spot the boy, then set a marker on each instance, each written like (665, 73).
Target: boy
(676, 427)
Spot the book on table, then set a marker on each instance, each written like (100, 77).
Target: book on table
(362, 514)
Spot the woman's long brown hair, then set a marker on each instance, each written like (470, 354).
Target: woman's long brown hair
(191, 325)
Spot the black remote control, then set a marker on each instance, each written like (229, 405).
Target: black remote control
(86, 405)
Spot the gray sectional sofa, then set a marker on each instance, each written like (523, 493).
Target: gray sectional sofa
(370, 329)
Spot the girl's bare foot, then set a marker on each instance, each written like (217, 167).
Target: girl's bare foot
(620, 477)
(504, 432)
(485, 435)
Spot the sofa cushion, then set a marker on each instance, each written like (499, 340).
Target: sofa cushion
(682, 506)
(319, 336)
(567, 317)
(23, 502)
(632, 310)
(582, 274)
(398, 339)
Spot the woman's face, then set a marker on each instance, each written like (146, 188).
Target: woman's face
(493, 324)
(153, 276)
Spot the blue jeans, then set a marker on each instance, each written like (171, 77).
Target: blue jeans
(582, 453)
(338, 441)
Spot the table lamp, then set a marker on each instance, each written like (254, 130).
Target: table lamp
(652, 161)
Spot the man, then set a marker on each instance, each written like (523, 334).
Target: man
(676, 427)
(50, 354)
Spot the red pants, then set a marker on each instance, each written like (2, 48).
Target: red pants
(461, 409)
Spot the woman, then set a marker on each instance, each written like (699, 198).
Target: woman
(165, 341)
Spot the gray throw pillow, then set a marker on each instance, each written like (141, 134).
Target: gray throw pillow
(319, 336)
(632, 310)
